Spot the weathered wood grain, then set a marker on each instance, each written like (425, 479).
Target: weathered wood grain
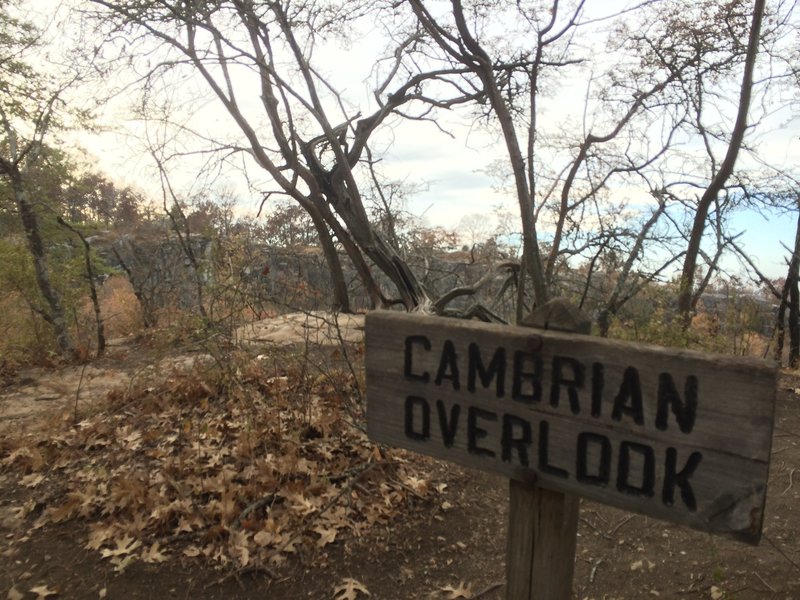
(542, 537)
(542, 523)
(707, 471)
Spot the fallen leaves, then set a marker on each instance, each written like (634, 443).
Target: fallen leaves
(349, 589)
(42, 592)
(327, 535)
(122, 555)
(32, 480)
(455, 592)
(124, 545)
(14, 594)
(28, 459)
(154, 554)
(240, 472)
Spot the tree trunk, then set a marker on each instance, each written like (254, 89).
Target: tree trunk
(181, 229)
(604, 322)
(794, 321)
(789, 301)
(371, 287)
(352, 250)
(55, 311)
(148, 310)
(720, 178)
(412, 292)
(792, 281)
(780, 325)
(90, 278)
(341, 298)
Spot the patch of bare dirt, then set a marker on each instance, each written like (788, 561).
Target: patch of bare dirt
(317, 328)
(443, 537)
(40, 394)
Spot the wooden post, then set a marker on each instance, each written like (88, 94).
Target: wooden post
(542, 524)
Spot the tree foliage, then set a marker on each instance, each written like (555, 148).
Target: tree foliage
(34, 104)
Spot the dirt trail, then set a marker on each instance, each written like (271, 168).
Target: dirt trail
(42, 393)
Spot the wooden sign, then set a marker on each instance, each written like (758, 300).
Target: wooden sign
(674, 434)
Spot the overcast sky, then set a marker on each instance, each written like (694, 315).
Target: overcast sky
(453, 175)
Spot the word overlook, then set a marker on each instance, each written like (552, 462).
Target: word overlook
(678, 435)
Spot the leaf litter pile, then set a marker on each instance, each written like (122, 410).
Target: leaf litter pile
(243, 466)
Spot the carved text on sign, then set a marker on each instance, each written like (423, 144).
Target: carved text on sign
(669, 433)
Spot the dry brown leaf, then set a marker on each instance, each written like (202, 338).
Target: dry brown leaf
(238, 543)
(264, 538)
(125, 545)
(154, 554)
(42, 592)
(99, 535)
(462, 591)
(23, 511)
(302, 505)
(327, 535)
(122, 562)
(349, 589)
(29, 458)
(32, 480)
(417, 484)
(14, 594)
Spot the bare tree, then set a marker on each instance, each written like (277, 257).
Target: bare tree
(313, 146)
(657, 96)
(463, 50)
(625, 289)
(651, 75)
(631, 102)
(91, 278)
(790, 300)
(688, 296)
(787, 295)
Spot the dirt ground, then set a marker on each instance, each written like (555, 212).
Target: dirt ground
(447, 545)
